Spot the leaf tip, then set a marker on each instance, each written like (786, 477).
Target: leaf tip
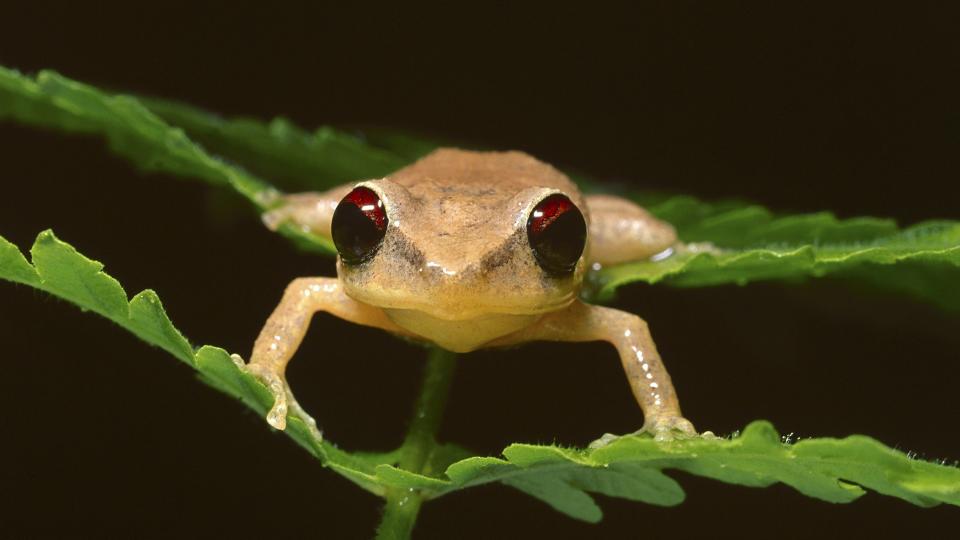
(47, 235)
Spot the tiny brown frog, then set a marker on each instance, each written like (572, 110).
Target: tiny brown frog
(469, 250)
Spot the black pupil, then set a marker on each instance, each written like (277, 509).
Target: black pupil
(557, 233)
(359, 225)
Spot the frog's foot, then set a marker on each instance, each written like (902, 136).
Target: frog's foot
(663, 428)
(669, 428)
(275, 383)
(283, 401)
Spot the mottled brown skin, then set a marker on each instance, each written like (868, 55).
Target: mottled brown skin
(455, 268)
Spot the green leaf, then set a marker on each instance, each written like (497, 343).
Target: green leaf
(14, 267)
(922, 244)
(132, 131)
(932, 281)
(288, 155)
(834, 470)
(54, 101)
(150, 323)
(631, 467)
(67, 274)
(560, 495)
(61, 271)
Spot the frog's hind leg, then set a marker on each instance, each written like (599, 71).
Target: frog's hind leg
(622, 231)
(312, 211)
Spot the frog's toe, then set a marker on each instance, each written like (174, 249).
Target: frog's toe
(604, 440)
(299, 412)
(277, 415)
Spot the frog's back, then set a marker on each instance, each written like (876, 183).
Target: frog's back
(489, 178)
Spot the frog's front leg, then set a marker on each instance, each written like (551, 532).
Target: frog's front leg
(286, 327)
(645, 372)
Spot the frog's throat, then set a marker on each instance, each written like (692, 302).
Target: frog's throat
(460, 335)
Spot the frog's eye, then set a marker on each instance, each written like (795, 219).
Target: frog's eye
(557, 233)
(358, 226)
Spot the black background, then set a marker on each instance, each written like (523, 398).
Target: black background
(799, 108)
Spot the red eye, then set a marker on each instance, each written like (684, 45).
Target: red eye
(359, 225)
(557, 233)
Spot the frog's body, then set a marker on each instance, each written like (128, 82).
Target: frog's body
(455, 266)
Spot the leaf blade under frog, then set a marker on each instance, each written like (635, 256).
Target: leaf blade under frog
(629, 467)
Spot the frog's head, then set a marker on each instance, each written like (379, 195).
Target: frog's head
(461, 235)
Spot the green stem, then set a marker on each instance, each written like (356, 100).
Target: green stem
(403, 505)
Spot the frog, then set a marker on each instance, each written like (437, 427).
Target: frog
(469, 250)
